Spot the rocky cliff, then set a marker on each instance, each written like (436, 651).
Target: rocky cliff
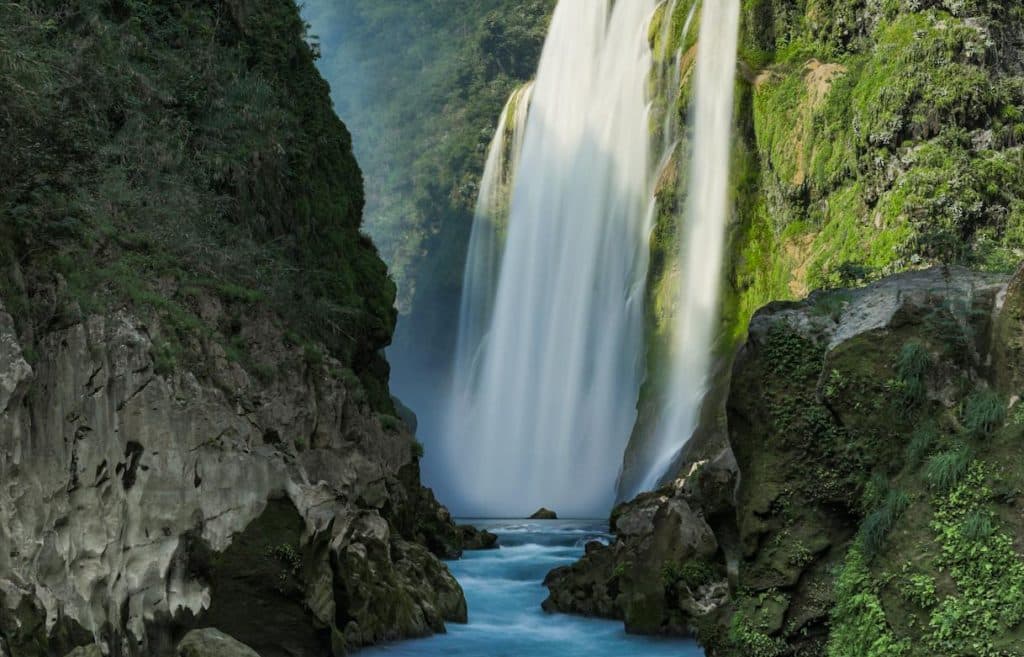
(866, 500)
(195, 426)
(870, 138)
(136, 505)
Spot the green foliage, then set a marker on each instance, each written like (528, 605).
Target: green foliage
(988, 573)
(312, 355)
(157, 152)
(289, 561)
(831, 305)
(922, 442)
(945, 470)
(390, 423)
(919, 589)
(978, 526)
(692, 574)
(879, 523)
(984, 412)
(417, 450)
(165, 359)
(791, 355)
(886, 138)
(859, 626)
(912, 366)
(421, 85)
(753, 642)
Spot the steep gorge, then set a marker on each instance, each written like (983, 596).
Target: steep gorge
(195, 426)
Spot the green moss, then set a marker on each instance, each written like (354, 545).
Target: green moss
(692, 574)
(866, 136)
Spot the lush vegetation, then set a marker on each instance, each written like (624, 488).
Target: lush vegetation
(421, 85)
(159, 153)
(884, 136)
(879, 485)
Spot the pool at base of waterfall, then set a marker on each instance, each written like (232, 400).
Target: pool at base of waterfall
(504, 590)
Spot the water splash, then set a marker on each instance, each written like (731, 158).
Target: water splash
(544, 402)
(707, 212)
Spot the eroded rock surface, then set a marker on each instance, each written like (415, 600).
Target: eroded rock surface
(136, 504)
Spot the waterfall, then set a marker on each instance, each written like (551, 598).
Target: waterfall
(483, 263)
(703, 235)
(548, 374)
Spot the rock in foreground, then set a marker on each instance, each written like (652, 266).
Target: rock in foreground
(213, 643)
(874, 442)
(136, 503)
(477, 539)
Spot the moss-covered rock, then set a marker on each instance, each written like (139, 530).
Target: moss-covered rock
(877, 505)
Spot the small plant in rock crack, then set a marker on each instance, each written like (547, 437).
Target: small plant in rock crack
(288, 557)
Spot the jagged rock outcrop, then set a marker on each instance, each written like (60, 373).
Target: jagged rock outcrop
(665, 571)
(212, 643)
(874, 434)
(135, 505)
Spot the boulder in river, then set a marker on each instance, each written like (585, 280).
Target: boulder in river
(477, 539)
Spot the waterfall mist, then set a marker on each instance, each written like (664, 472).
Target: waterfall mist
(703, 236)
(544, 399)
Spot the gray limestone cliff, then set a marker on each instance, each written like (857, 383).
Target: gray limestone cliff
(136, 505)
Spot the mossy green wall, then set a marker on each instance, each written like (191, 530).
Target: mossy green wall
(887, 136)
(871, 138)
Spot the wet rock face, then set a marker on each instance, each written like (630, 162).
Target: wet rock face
(477, 539)
(135, 505)
(664, 573)
(742, 550)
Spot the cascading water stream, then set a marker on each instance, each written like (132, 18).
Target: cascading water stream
(543, 403)
(705, 219)
(483, 263)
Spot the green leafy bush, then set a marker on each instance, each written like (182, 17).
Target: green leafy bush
(859, 625)
(754, 642)
(988, 572)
